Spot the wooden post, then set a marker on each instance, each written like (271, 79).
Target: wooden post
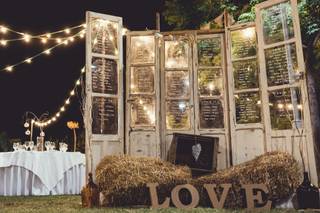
(158, 21)
(74, 139)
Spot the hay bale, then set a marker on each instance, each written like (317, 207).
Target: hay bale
(279, 171)
(122, 179)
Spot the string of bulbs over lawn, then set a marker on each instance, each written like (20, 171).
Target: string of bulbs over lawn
(44, 39)
(60, 41)
(63, 107)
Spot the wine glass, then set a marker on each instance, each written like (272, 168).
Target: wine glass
(61, 144)
(47, 145)
(65, 147)
(26, 144)
(15, 146)
(52, 146)
(31, 145)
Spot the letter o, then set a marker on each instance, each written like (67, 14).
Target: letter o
(194, 196)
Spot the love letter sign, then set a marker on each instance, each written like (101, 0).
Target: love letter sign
(251, 197)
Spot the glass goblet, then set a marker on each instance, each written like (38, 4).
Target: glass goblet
(26, 144)
(47, 145)
(15, 146)
(52, 146)
(31, 145)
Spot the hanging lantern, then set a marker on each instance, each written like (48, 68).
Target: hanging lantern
(28, 132)
(26, 125)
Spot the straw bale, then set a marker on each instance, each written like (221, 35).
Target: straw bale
(122, 179)
(279, 171)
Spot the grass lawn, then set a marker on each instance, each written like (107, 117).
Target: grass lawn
(62, 204)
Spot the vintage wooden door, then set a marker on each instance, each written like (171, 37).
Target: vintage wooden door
(177, 111)
(104, 88)
(193, 88)
(246, 125)
(283, 83)
(142, 95)
(210, 92)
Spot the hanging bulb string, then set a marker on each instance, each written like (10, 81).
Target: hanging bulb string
(28, 60)
(4, 30)
(64, 106)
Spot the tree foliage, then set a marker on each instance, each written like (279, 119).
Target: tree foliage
(182, 14)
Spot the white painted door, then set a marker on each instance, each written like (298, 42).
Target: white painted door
(246, 125)
(104, 88)
(177, 109)
(284, 91)
(142, 95)
(210, 92)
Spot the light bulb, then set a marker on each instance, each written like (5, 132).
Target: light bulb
(65, 42)
(54, 119)
(48, 35)
(58, 40)
(78, 82)
(47, 52)
(28, 60)
(58, 114)
(62, 109)
(71, 39)
(26, 37)
(82, 70)
(26, 124)
(3, 42)
(82, 35)
(3, 29)
(9, 68)
(84, 25)
(67, 31)
(67, 101)
(44, 40)
(72, 92)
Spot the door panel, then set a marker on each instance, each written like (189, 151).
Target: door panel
(246, 125)
(287, 119)
(176, 86)
(210, 92)
(142, 95)
(104, 89)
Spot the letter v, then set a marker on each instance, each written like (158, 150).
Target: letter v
(213, 196)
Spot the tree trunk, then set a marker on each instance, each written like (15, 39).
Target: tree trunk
(313, 90)
(74, 140)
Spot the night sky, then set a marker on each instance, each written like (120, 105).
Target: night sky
(44, 85)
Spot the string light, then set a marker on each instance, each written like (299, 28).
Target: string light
(27, 38)
(3, 42)
(62, 108)
(43, 37)
(3, 29)
(29, 59)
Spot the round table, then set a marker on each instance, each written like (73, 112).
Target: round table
(41, 173)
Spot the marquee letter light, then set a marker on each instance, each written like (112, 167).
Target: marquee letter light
(213, 196)
(258, 197)
(154, 197)
(194, 196)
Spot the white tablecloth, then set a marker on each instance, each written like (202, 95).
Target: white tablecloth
(41, 173)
